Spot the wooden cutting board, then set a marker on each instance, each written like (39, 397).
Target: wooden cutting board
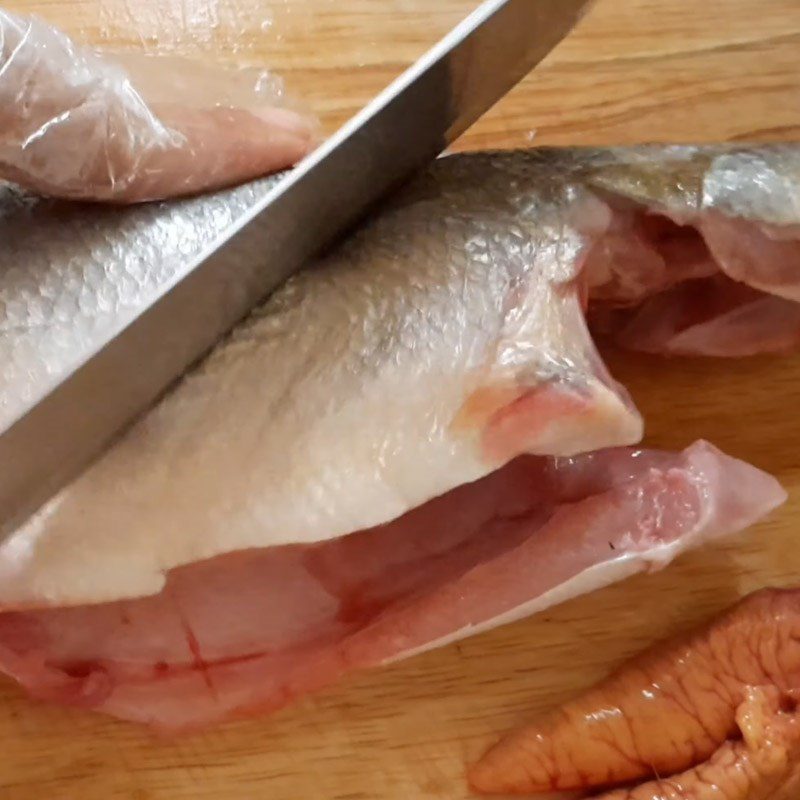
(636, 70)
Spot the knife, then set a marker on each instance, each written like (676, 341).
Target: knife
(57, 433)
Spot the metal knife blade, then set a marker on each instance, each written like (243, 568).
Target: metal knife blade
(64, 427)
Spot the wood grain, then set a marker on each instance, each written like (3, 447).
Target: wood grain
(636, 70)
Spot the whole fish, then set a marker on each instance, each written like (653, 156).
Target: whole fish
(413, 440)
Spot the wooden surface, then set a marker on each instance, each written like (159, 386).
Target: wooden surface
(636, 70)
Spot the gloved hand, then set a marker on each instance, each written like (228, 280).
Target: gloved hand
(74, 125)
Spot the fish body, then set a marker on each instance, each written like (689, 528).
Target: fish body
(443, 339)
(442, 342)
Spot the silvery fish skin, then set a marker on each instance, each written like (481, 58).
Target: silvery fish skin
(71, 275)
(442, 339)
(760, 184)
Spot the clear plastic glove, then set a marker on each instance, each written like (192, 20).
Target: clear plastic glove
(73, 125)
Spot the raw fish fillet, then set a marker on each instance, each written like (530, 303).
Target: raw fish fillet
(79, 125)
(251, 630)
(440, 344)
